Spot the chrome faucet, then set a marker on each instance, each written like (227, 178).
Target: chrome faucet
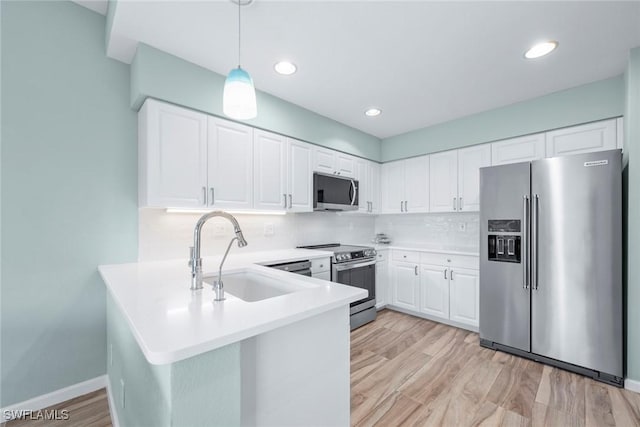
(196, 260)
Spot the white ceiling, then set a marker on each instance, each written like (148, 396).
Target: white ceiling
(421, 62)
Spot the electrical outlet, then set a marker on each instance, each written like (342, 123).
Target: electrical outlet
(218, 230)
(269, 229)
(122, 400)
(462, 226)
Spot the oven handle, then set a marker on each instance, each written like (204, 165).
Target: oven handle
(348, 266)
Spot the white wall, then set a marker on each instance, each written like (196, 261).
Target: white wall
(165, 235)
(433, 230)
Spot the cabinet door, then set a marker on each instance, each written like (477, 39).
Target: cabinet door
(374, 187)
(523, 149)
(345, 165)
(406, 286)
(269, 171)
(381, 284)
(596, 136)
(416, 182)
(434, 290)
(230, 164)
(443, 182)
(173, 156)
(463, 300)
(300, 178)
(470, 160)
(324, 160)
(392, 187)
(364, 187)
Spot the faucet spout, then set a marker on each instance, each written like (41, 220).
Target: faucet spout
(196, 260)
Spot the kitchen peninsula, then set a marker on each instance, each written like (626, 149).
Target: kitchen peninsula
(176, 357)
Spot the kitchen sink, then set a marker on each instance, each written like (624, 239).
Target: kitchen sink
(251, 286)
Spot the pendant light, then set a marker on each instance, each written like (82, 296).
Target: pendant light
(239, 97)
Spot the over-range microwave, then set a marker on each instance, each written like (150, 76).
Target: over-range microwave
(334, 193)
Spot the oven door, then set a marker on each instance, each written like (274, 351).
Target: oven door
(361, 274)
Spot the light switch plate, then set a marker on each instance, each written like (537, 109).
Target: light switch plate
(269, 229)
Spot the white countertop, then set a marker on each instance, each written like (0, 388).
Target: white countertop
(172, 323)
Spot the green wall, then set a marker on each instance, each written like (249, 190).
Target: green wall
(69, 194)
(166, 77)
(595, 101)
(632, 179)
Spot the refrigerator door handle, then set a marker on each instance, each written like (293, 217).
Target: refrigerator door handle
(534, 242)
(524, 248)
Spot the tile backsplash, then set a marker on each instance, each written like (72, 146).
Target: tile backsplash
(165, 235)
(453, 231)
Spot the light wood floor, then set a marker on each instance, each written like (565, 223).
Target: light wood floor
(413, 372)
(90, 410)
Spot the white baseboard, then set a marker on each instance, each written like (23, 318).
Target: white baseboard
(112, 405)
(54, 397)
(632, 385)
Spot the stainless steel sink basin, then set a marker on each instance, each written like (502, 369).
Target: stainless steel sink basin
(253, 286)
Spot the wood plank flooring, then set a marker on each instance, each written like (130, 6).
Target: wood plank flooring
(407, 371)
(89, 410)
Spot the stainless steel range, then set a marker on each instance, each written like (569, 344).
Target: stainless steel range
(354, 266)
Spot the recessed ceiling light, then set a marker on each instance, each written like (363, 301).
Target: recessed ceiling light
(372, 112)
(541, 49)
(285, 68)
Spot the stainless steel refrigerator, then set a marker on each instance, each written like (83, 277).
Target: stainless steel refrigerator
(551, 262)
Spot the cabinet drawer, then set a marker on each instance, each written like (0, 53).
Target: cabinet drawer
(406, 256)
(383, 255)
(461, 261)
(320, 265)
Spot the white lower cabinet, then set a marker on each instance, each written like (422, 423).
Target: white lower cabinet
(436, 287)
(463, 291)
(406, 285)
(434, 290)
(382, 279)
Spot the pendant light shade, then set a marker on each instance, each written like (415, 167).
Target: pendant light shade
(239, 97)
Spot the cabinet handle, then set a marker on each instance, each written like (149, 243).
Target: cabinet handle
(454, 203)
(401, 208)
(445, 274)
(204, 196)
(213, 196)
(415, 270)
(460, 204)
(338, 173)
(406, 209)
(285, 200)
(290, 201)
(451, 274)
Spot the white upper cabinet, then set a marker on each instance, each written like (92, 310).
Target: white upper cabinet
(405, 186)
(470, 160)
(230, 164)
(299, 177)
(416, 179)
(333, 162)
(455, 178)
(392, 187)
(597, 136)
(368, 175)
(172, 168)
(443, 181)
(270, 171)
(522, 149)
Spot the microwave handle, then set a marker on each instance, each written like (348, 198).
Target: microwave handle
(355, 192)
